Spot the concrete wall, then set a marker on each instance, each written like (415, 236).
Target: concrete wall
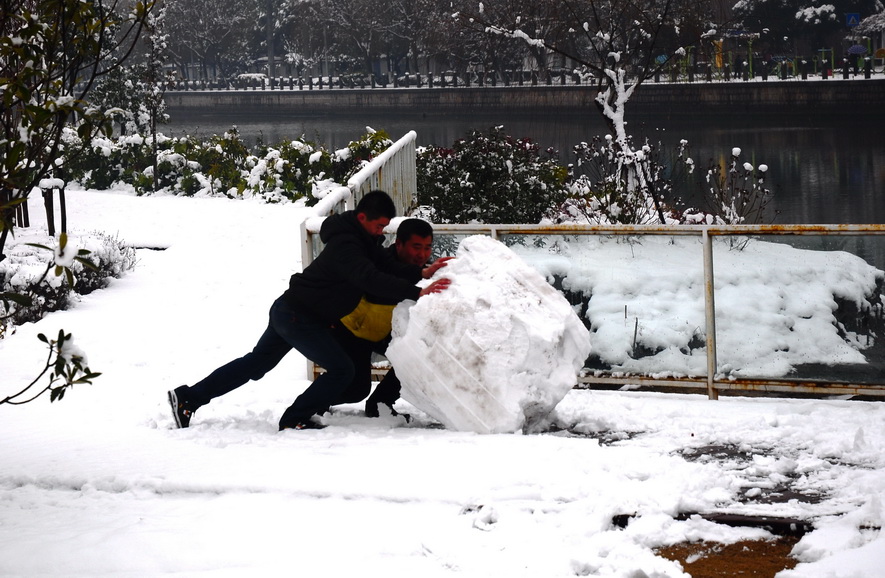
(832, 97)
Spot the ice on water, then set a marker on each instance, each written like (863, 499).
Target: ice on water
(495, 352)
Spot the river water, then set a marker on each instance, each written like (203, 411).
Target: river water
(821, 170)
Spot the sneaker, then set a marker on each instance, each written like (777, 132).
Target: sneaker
(309, 424)
(181, 407)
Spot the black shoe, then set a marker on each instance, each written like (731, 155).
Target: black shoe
(373, 411)
(309, 424)
(182, 409)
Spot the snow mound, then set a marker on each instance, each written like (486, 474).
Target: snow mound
(495, 352)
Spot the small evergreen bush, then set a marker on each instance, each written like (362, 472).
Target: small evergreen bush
(490, 178)
(292, 170)
(49, 287)
(220, 165)
(349, 161)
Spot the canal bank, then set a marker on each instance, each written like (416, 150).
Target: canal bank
(833, 97)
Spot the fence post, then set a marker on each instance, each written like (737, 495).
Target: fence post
(710, 314)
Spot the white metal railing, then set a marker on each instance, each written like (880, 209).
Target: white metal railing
(393, 171)
(712, 382)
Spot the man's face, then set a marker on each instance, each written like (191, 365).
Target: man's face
(374, 227)
(415, 250)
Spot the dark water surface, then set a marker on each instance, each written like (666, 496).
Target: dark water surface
(832, 171)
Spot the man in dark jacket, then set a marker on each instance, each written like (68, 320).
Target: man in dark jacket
(352, 263)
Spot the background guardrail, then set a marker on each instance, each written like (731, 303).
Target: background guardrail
(714, 382)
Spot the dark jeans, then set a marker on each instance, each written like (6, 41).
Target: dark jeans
(289, 328)
(360, 350)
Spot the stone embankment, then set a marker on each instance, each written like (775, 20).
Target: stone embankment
(836, 97)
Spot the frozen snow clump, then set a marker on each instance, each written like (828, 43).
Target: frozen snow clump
(496, 351)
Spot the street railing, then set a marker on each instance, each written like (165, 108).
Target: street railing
(679, 72)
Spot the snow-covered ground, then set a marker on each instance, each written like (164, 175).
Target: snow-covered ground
(100, 483)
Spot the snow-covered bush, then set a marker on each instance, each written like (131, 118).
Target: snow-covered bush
(104, 161)
(490, 178)
(217, 166)
(126, 93)
(291, 170)
(348, 161)
(736, 194)
(221, 165)
(602, 192)
(44, 273)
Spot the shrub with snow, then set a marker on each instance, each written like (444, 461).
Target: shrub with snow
(44, 278)
(490, 178)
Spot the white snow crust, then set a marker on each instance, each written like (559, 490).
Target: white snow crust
(496, 351)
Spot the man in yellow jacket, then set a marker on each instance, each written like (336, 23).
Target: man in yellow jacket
(368, 327)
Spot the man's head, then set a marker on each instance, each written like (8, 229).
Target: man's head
(414, 242)
(374, 212)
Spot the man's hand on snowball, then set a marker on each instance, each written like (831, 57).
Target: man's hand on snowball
(437, 286)
(428, 271)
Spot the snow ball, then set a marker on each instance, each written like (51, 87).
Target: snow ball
(496, 351)
(736, 152)
(748, 167)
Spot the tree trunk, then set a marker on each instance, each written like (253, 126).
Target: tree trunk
(270, 43)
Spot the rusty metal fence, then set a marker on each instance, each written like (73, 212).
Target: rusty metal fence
(715, 381)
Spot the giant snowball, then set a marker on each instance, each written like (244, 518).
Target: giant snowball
(496, 351)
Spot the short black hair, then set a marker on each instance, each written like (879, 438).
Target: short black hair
(410, 227)
(375, 205)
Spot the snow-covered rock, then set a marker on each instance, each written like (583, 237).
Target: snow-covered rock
(496, 351)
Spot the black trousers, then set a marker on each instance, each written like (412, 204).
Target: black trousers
(360, 350)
